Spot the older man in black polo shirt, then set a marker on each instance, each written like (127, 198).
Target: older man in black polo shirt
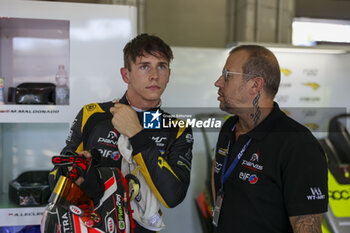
(270, 172)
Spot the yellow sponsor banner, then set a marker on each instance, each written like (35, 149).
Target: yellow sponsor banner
(339, 197)
(285, 71)
(314, 86)
(312, 126)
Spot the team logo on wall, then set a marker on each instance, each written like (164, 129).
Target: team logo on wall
(151, 120)
(314, 86)
(282, 98)
(310, 72)
(309, 99)
(312, 126)
(286, 72)
(285, 85)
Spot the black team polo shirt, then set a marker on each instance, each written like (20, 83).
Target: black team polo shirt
(282, 173)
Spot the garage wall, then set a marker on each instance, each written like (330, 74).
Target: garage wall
(325, 9)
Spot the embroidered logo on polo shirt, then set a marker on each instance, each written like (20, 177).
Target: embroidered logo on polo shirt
(255, 157)
(222, 151)
(251, 178)
(253, 163)
(218, 167)
(316, 194)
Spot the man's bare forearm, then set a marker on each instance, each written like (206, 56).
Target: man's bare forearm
(306, 223)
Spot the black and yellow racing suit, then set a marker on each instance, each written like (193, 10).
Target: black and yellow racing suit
(164, 154)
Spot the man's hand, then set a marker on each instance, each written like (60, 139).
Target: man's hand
(79, 168)
(125, 120)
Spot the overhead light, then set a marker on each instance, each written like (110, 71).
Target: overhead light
(309, 32)
(309, 50)
(287, 48)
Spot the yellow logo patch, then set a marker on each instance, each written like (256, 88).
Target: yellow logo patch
(90, 107)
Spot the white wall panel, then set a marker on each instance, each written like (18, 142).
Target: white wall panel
(97, 36)
(313, 86)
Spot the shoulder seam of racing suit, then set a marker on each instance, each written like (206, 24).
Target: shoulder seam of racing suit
(88, 111)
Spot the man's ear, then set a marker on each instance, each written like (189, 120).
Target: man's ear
(125, 74)
(257, 84)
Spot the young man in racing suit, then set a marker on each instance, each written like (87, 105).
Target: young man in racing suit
(163, 154)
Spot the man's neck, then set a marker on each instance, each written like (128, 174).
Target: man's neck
(142, 105)
(250, 119)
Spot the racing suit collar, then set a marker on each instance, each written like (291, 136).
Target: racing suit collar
(124, 100)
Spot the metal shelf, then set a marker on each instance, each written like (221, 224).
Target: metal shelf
(14, 215)
(35, 113)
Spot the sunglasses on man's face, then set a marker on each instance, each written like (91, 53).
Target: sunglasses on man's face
(226, 74)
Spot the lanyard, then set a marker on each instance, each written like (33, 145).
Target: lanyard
(225, 175)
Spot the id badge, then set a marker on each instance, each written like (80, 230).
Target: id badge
(217, 208)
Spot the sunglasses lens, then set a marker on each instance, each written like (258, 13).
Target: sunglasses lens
(224, 74)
